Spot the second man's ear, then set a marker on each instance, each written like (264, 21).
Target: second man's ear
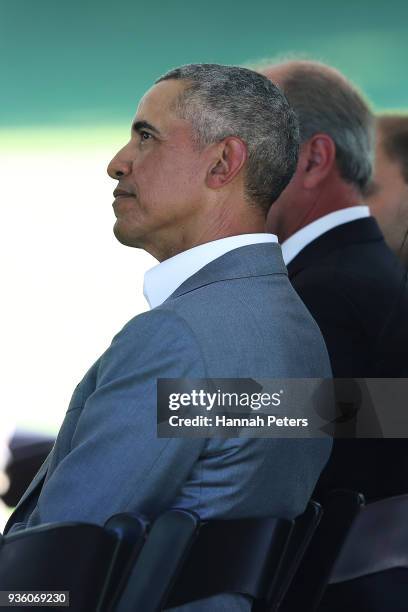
(231, 155)
(318, 157)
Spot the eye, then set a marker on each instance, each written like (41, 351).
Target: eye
(145, 135)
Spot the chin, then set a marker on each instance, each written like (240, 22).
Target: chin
(125, 238)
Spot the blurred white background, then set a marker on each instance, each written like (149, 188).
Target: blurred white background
(68, 285)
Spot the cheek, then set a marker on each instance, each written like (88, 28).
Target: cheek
(179, 175)
(386, 203)
(167, 177)
(392, 187)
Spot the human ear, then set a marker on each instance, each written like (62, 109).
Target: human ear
(231, 155)
(317, 157)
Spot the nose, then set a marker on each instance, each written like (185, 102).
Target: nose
(119, 166)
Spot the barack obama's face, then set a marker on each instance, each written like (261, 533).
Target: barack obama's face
(161, 174)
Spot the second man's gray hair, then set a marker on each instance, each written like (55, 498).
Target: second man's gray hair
(326, 103)
(221, 101)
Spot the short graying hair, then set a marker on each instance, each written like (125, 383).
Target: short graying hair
(221, 101)
(326, 102)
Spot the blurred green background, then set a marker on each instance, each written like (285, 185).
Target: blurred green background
(87, 62)
(72, 73)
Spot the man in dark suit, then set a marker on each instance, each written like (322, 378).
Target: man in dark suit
(339, 263)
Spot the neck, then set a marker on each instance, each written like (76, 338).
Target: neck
(245, 220)
(332, 196)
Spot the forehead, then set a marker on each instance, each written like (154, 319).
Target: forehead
(157, 105)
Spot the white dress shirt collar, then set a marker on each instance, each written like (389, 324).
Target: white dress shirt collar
(300, 239)
(162, 280)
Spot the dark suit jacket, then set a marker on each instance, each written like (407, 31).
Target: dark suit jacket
(356, 290)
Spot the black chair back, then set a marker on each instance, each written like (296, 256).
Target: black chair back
(80, 558)
(300, 538)
(182, 562)
(236, 556)
(371, 570)
(131, 532)
(311, 578)
(159, 562)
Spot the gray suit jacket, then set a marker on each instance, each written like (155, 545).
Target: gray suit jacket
(237, 317)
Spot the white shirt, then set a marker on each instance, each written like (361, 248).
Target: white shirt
(300, 239)
(162, 280)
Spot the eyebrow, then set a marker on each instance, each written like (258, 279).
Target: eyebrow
(139, 126)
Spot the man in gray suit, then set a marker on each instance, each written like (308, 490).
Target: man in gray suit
(211, 148)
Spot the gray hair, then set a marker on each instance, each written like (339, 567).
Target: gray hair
(221, 101)
(325, 102)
